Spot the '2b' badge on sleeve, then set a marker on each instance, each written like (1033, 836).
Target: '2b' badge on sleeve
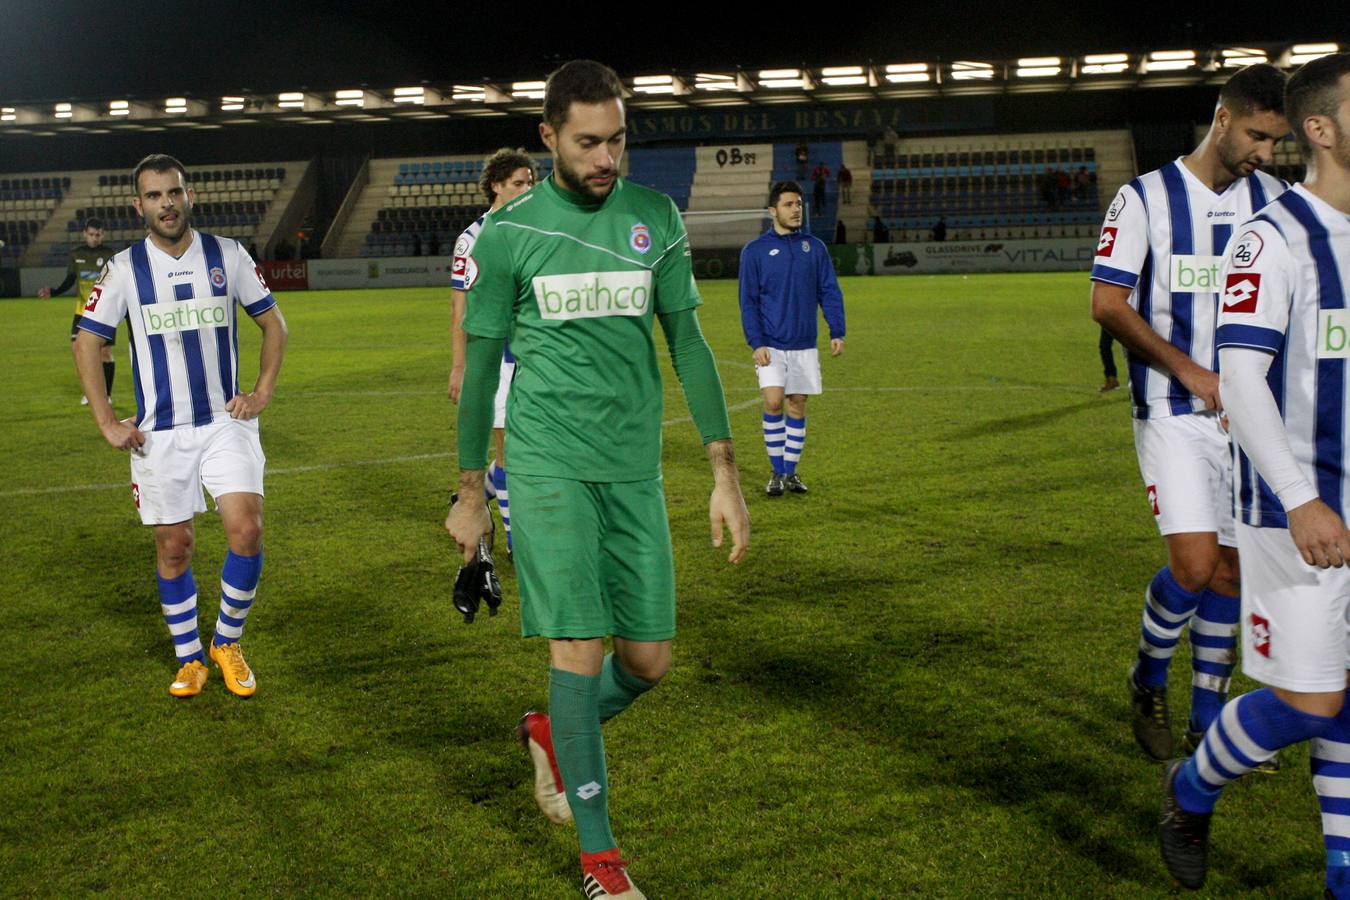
(1247, 249)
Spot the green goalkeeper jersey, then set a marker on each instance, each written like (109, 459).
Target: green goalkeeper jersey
(574, 285)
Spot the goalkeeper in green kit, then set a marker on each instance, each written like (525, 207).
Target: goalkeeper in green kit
(574, 272)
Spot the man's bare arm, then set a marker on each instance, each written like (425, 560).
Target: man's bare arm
(1111, 309)
(89, 363)
(726, 506)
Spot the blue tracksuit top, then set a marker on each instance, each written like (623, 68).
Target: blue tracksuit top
(783, 278)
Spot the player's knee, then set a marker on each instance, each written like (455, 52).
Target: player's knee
(796, 407)
(651, 670)
(174, 553)
(773, 405)
(244, 534)
(1227, 578)
(1194, 571)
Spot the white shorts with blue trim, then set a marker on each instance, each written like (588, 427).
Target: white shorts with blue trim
(1295, 630)
(508, 371)
(795, 371)
(170, 469)
(1187, 466)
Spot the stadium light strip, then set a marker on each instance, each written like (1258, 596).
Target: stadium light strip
(902, 73)
(966, 70)
(1304, 53)
(469, 93)
(1038, 66)
(231, 104)
(175, 105)
(7, 114)
(706, 81)
(654, 84)
(527, 90)
(350, 97)
(409, 95)
(843, 76)
(1105, 63)
(62, 111)
(119, 108)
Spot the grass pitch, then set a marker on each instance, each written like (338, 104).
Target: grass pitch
(914, 686)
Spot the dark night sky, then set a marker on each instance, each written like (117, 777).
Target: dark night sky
(60, 50)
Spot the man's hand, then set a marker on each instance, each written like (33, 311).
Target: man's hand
(44, 293)
(1319, 534)
(761, 356)
(123, 434)
(468, 519)
(1202, 383)
(836, 346)
(726, 506)
(247, 406)
(726, 509)
(456, 382)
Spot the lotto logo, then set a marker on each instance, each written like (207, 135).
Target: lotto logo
(136, 494)
(1261, 635)
(587, 791)
(257, 270)
(1240, 293)
(458, 266)
(1153, 498)
(1107, 242)
(94, 296)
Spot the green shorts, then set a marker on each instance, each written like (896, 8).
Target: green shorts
(592, 559)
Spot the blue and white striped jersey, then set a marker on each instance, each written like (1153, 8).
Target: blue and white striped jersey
(464, 271)
(1164, 237)
(1286, 280)
(183, 321)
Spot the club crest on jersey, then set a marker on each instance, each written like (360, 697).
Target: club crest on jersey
(1247, 249)
(806, 247)
(1117, 207)
(218, 277)
(1240, 292)
(1261, 635)
(641, 239)
(1107, 242)
(1153, 498)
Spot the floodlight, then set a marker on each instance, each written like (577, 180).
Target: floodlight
(899, 73)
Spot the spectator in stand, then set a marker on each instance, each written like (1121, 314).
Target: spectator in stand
(417, 244)
(845, 177)
(1063, 187)
(940, 229)
(890, 139)
(840, 234)
(1047, 187)
(802, 157)
(1082, 183)
(880, 233)
(434, 245)
(820, 175)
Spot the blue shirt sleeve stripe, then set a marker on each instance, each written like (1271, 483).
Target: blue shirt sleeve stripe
(107, 332)
(1252, 336)
(261, 306)
(1113, 276)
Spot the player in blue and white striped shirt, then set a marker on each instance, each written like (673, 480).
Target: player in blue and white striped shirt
(1284, 345)
(506, 175)
(179, 291)
(1154, 288)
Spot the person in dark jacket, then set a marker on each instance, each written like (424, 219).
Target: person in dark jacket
(785, 275)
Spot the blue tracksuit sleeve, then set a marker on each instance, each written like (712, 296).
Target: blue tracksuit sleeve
(831, 298)
(749, 278)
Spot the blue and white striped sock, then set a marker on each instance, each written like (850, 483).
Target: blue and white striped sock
(1167, 608)
(773, 440)
(490, 481)
(1330, 762)
(503, 499)
(178, 602)
(238, 585)
(1248, 731)
(792, 449)
(1213, 653)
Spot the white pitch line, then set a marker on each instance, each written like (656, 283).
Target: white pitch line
(420, 457)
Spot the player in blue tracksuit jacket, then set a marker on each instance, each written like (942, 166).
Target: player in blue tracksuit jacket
(785, 275)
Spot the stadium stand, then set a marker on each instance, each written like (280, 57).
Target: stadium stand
(243, 201)
(1000, 186)
(27, 203)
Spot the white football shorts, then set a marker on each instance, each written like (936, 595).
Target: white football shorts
(170, 469)
(795, 371)
(508, 371)
(1187, 466)
(1295, 632)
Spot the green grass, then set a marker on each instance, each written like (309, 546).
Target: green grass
(912, 686)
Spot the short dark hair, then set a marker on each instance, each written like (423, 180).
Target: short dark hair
(93, 223)
(1255, 88)
(578, 81)
(783, 187)
(1312, 91)
(500, 166)
(155, 162)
